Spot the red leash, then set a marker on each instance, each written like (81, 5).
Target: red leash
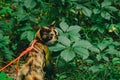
(18, 58)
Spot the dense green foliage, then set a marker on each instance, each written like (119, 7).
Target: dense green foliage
(3, 76)
(88, 47)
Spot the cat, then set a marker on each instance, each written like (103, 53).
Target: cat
(33, 68)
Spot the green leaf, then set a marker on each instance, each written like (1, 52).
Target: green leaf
(5, 10)
(86, 11)
(105, 58)
(94, 69)
(106, 3)
(111, 8)
(63, 26)
(116, 43)
(30, 35)
(96, 11)
(25, 28)
(81, 51)
(2, 75)
(94, 27)
(116, 61)
(83, 43)
(112, 51)
(33, 19)
(73, 32)
(57, 47)
(97, 68)
(74, 29)
(74, 37)
(67, 55)
(61, 76)
(23, 35)
(30, 3)
(98, 57)
(1, 36)
(102, 46)
(101, 29)
(21, 15)
(5, 40)
(64, 40)
(8, 53)
(89, 61)
(94, 49)
(105, 15)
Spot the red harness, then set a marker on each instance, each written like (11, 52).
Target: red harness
(18, 58)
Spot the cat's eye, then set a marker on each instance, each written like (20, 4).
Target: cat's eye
(51, 34)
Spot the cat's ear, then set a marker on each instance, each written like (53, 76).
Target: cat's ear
(52, 25)
(39, 32)
(42, 28)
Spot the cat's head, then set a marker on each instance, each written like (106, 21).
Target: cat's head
(47, 35)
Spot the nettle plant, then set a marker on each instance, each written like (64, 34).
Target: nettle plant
(94, 58)
(4, 44)
(70, 44)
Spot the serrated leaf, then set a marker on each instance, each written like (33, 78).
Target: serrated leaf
(101, 29)
(30, 35)
(116, 61)
(23, 35)
(105, 58)
(89, 61)
(111, 8)
(94, 69)
(6, 40)
(30, 3)
(83, 43)
(94, 49)
(112, 51)
(98, 57)
(106, 3)
(8, 53)
(64, 26)
(21, 17)
(27, 35)
(74, 37)
(94, 27)
(33, 19)
(74, 29)
(105, 15)
(102, 46)
(86, 11)
(67, 55)
(96, 11)
(25, 28)
(64, 40)
(57, 47)
(81, 51)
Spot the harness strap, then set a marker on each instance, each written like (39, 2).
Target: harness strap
(18, 58)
